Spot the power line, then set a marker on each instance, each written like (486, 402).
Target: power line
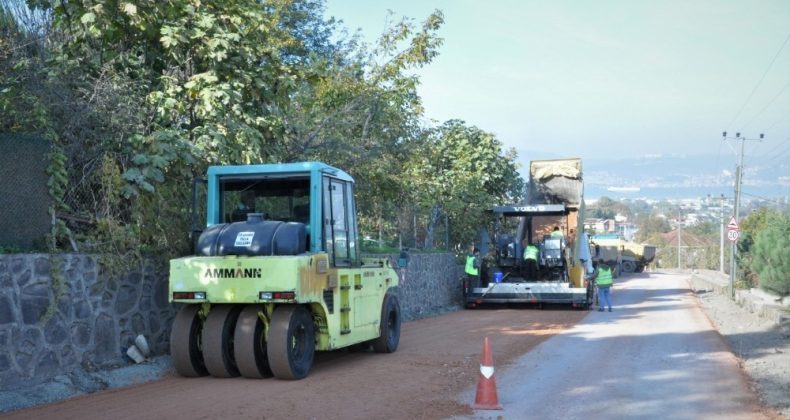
(777, 156)
(774, 147)
(770, 153)
(782, 118)
(770, 200)
(758, 83)
(767, 105)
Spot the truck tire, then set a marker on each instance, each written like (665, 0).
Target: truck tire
(389, 325)
(628, 267)
(218, 341)
(291, 342)
(184, 342)
(250, 344)
(592, 295)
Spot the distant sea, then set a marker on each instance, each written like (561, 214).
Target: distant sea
(777, 194)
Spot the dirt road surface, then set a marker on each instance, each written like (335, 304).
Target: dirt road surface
(437, 358)
(655, 356)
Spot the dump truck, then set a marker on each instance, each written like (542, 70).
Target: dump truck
(608, 247)
(635, 257)
(630, 257)
(555, 200)
(278, 275)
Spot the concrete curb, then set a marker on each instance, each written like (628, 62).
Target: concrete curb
(754, 301)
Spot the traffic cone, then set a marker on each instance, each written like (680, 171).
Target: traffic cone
(486, 398)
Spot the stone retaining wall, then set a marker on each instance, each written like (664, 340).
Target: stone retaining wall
(96, 318)
(753, 300)
(91, 324)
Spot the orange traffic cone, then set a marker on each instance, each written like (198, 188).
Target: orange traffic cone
(486, 398)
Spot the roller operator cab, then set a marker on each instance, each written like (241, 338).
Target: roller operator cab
(278, 275)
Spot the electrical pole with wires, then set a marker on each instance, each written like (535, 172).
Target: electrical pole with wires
(721, 238)
(680, 226)
(738, 182)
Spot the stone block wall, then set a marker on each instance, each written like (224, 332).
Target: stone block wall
(96, 317)
(91, 323)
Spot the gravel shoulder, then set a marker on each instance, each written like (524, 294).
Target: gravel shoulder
(761, 345)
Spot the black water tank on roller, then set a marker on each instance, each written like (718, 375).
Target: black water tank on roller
(253, 237)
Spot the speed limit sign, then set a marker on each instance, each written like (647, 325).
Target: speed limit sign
(733, 235)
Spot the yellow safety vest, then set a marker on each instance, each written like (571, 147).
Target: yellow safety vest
(531, 252)
(604, 278)
(470, 268)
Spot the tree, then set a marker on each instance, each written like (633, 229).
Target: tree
(707, 229)
(460, 171)
(751, 226)
(771, 260)
(359, 109)
(606, 208)
(651, 228)
(139, 97)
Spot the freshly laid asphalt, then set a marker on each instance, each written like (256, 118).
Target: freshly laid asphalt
(655, 356)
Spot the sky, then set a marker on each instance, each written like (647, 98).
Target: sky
(605, 78)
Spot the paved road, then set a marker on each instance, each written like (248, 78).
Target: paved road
(655, 356)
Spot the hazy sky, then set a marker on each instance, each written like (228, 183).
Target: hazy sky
(605, 78)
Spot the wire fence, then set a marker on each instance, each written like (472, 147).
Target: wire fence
(24, 196)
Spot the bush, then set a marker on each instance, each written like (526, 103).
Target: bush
(771, 259)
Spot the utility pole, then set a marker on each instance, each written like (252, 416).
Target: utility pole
(721, 239)
(679, 227)
(738, 180)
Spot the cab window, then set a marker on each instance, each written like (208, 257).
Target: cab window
(339, 223)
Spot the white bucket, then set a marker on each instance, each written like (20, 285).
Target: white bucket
(142, 345)
(134, 353)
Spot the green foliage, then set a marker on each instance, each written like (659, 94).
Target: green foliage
(57, 182)
(709, 230)
(358, 109)
(606, 208)
(651, 228)
(771, 260)
(461, 171)
(751, 226)
(376, 247)
(140, 97)
(756, 221)
(10, 249)
(58, 287)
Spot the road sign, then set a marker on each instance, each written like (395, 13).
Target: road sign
(733, 235)
(733, 225)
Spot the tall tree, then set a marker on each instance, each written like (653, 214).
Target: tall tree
(460, 171)
(770, 259)
(359, 109)
(751, 226)
(141, 96)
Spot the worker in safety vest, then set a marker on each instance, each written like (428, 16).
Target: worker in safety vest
(472, 271)
(472, 268)
(556, 233)
(531, 253)
(604, 279)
